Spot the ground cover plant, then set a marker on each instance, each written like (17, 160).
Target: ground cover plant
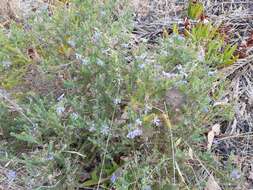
(85, 106)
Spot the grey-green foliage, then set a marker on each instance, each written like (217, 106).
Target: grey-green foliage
(96, 99)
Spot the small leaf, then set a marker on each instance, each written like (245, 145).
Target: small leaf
(25, 137)
(33, 55)
(148, 118)
(166, 120)
(210, 137)
(165, 33)
(175, 29)
(190, 153)
(90, 182)
(195, 10)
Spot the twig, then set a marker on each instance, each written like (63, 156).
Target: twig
(17, 108)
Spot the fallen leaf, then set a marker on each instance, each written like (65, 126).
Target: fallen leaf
(210, 137)
(201, 54)
(33, 55)
(221, 102)
(216, 129)
(233, 127)
(84, 176)
(250, 40)
(187, 24)
(178, 142)
(166, 120)
(190, 152)
(212, 184)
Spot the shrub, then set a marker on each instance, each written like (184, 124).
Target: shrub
(93, 110)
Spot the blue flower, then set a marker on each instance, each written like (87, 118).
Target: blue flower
(74, 116)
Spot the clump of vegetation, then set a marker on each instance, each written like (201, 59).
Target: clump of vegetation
(86, 108)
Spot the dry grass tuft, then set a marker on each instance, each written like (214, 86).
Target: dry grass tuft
(10, 9)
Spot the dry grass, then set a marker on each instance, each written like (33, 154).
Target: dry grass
(10, 8)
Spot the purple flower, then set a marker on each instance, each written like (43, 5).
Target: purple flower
(235, 174)
(125, 45)
(6, 64)
(74, 116)
(113, 178)
(60, 97)
(117, 101)
(105, 129)
(84, 61)
(72, 43)
(11, 175)
(96, 37)
(142, 66)
(180, 38)
(49, 157)
(156, 121)
(205, 109)
(138, 122)
(78, 56)
(60, 110)
(102, 13)
(211, 73)
(148, 187)
(169, 75)
(135, 133)
(92, 128)
(100, 62)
